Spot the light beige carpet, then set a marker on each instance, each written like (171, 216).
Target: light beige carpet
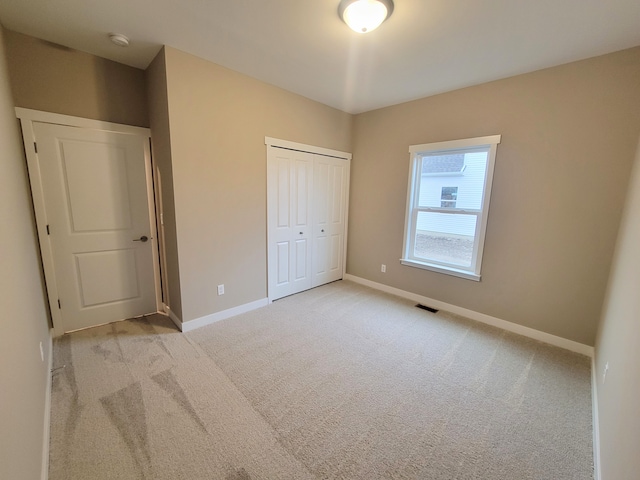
(337, 382)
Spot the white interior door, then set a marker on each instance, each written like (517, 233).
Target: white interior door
(330, 197)
(289, 210)
(95, 190)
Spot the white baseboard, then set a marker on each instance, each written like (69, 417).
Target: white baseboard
(216, 317)
(174, 318)
(47, 413)
(596, 421)
(479, 317)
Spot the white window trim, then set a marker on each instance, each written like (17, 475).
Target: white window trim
(473, 272)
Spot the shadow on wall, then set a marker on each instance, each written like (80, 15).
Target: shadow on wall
(120, 92)
(54, 78)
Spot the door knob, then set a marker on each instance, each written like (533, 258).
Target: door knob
(300, 233)
(142, 239)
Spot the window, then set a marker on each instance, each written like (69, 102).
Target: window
(448, 205)
(448, 196)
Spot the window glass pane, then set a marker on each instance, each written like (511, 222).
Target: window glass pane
(445, 237)
(448, 197)
(439, 164)
(463, 173)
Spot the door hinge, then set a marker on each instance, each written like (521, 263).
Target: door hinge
(59, 304)
(35, 145)
(48, 231)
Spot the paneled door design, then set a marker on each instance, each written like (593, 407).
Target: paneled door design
(95, 193)
(307, 197)
(289, 186)
(330, 197)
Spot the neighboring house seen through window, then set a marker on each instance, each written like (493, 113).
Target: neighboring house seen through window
(448, 204)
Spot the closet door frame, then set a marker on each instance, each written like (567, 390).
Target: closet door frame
(285, 144)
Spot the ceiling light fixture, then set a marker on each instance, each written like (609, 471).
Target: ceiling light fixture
(119, 39)
(362, 16)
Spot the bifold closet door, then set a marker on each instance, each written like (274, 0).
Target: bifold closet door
(329, 198)
(289, 217)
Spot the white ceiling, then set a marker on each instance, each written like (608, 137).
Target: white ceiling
(426, 47)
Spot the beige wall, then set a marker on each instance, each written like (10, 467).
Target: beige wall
(218, 121)
(56, 79)
(23, 376)
(568, 139)
(156, 79)
(618, 344)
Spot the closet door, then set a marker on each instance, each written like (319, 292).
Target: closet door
(330, 198)
(289, 211)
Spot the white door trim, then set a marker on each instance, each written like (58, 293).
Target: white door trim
(27, 118)
(276, 142)
(71, 121)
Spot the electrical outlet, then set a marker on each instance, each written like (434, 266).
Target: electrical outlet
(221, 289)
(383, 268)
(41, 352)
(604, 373)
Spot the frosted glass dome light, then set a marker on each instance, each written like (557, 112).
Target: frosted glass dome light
(363, 16)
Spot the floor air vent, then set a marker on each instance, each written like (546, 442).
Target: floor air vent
(428, 309)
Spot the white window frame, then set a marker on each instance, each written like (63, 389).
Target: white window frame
(411, 217)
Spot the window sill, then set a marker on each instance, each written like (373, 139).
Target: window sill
(441, 269)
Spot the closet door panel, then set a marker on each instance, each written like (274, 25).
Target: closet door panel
(329, 221)
(289, 212)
